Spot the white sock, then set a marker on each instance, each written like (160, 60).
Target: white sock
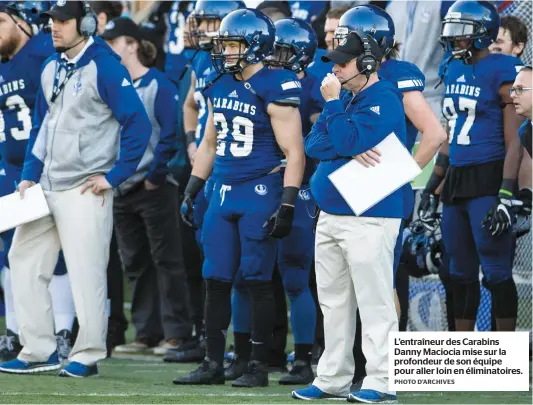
(62, 302)
(11, 318)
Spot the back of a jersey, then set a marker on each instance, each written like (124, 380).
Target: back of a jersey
(19, 83)
(472, 107)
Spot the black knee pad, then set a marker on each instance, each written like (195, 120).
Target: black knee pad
(466, 298)
(505, 299)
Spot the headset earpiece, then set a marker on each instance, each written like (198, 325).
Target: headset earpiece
(88, 24)
(366, 63)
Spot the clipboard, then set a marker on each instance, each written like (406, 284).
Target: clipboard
(15, 211)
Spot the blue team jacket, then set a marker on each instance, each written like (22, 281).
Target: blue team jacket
(349, 127)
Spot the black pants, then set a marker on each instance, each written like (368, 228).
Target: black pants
(148, 236)
(193, 258)
(115, 287)
(277, 356)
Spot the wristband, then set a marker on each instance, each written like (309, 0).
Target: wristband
(507, 187)
(433, 183)
(190, 137)
(442, 161)
(194, 186)
(289, 195)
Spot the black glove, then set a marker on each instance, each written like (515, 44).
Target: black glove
(280, 223)
(194, 186)
(427, 209)
(501, 216)
(524, 195)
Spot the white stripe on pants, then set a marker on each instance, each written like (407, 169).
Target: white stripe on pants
(354, 267)
(81, 225)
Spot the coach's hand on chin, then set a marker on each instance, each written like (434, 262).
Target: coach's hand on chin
(331, 87)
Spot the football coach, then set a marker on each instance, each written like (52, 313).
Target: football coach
(90, 131)
(354, 254)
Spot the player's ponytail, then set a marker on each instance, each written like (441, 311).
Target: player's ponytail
(147, 52)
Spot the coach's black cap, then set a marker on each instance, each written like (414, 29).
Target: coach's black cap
(349, 48)
(66, 10)
(122, 26)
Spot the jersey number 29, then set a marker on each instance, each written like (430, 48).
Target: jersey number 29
(243, 141)
(448, 110)
(23, 116)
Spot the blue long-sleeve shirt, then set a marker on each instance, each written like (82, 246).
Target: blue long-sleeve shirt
(349, 127)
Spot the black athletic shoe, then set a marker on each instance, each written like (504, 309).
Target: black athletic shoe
(300, 374)
(256, 375)
(9, 346)
(236, 368)
(209, 373)
(188, 352)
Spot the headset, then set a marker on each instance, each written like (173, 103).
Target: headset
(88, 24)
(367, 62)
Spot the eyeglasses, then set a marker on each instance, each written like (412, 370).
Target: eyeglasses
(518, 90)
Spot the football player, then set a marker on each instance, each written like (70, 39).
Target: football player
(374, 21)
(480, 164)
(294, 50)
(253, 121)
(203, 25)
(23, 49)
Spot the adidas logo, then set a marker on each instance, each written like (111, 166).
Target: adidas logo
(233, 94)
(125, 83)
(375, 109)
(461, 79)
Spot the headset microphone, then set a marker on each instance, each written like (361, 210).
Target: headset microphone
(353, 77)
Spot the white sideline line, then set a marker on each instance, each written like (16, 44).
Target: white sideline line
(142, 394)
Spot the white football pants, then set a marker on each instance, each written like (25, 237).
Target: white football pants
(80, 224)
(354, 268)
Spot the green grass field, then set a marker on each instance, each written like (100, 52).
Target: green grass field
(147, 380)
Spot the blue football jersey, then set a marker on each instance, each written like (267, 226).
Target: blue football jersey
(19, 82)
(174, 47)
(472, 107)
(246, 145)
(407, 77)
(202, 67)
(307, 10)
(318, 68)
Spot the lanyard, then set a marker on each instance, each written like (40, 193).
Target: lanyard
(58, 87)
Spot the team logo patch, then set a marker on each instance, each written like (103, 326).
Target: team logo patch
(343, 42)
(261, 189)
(61, 3)
(77, 86)
(304, 195)
(110, 25)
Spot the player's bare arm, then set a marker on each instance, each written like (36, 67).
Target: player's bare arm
(511, 124)
(287, 127)
(190, 120)
(205, 157)
(433, 135)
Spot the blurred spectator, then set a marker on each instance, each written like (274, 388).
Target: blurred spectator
(332, 21)
(308, 11)
(276, 10)
(512, 37)
(106, 11)
(523, 10)
(418, 29)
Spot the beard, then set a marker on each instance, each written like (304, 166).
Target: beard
(8, 47)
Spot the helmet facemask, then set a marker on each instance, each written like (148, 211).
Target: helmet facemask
(283, 56)
(202, 30)
(457, 29)
(233, 63)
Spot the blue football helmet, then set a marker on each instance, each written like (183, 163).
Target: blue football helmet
(294, 46)
(370, 20)
(254, 32)
(475, 21)
(422, 252)
(211, 12)
(29, 11)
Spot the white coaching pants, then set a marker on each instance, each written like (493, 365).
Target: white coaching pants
(354, 268)
(81, 225)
